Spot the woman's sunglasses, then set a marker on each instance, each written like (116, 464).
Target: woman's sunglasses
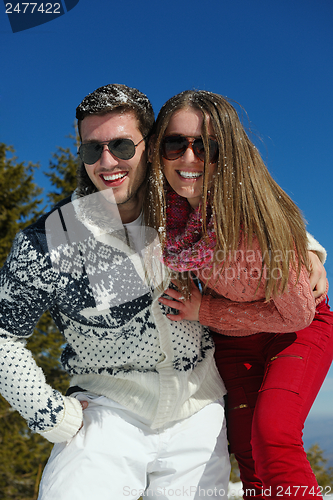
(123, 149)
(174, 146)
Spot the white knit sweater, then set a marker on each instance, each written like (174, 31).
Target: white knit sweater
(120, 344)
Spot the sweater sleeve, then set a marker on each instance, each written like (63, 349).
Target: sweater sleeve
(315, 246)
(291, 311)
(27, 289)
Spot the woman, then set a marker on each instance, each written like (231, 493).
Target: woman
(222, 216)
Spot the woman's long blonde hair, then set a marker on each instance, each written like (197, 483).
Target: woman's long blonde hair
(244, 197)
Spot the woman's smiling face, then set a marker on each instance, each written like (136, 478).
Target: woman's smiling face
(185, 174)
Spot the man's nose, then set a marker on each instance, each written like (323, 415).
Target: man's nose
(107, 158)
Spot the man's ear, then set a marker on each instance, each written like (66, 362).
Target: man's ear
(151, 146)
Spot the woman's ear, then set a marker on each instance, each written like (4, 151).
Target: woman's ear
(151, 146)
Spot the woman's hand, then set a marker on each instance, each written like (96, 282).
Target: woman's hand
(188, 309)
(317, 275)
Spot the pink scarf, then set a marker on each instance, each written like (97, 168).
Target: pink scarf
(186, 249)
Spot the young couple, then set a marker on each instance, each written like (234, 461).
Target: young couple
(144, 414)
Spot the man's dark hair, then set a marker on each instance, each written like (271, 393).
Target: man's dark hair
(118, 97)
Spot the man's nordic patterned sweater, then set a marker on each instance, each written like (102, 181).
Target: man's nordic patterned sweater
(120, 344)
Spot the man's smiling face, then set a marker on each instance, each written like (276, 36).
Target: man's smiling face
(124, 177)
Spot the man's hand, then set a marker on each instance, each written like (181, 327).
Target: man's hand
(188, 309)
(317, 275)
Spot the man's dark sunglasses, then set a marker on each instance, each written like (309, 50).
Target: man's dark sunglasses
(124, 149)
(174, 146)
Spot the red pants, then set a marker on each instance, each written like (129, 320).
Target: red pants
(272, 382)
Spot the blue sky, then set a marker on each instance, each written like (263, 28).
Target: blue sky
(273, 57)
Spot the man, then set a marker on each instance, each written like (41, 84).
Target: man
(144, 412)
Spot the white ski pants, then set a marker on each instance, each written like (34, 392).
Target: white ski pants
(117, 456)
